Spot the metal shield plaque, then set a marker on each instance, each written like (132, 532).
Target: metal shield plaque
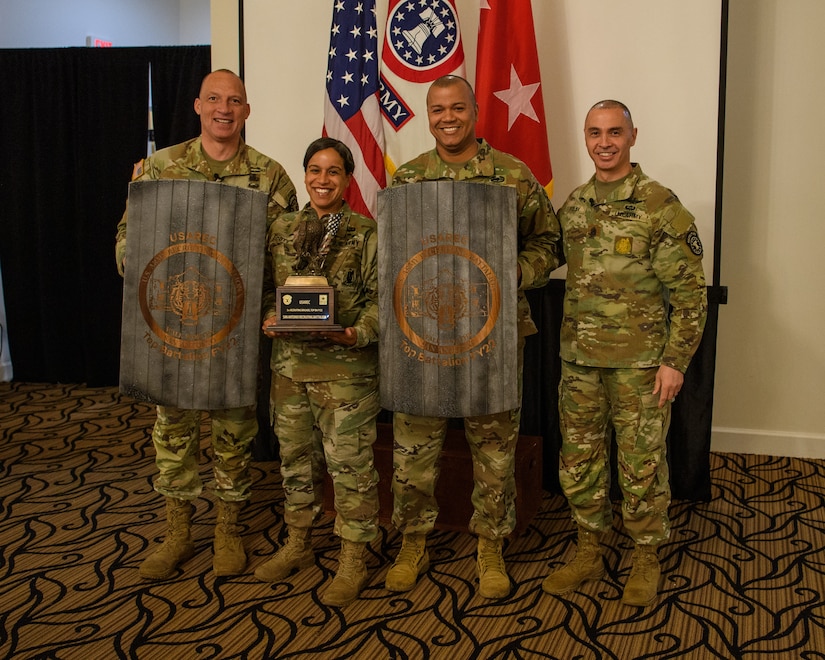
(192, 294)
(447, 284)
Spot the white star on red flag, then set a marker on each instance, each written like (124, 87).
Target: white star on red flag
(518, 98)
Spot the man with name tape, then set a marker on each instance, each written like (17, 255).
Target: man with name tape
(634, 309)
(458, 154)
(218, 153)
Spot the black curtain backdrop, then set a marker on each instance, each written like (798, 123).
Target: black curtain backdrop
(176, 79)
(74, 125)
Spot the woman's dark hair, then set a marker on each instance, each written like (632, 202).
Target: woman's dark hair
(331, 143)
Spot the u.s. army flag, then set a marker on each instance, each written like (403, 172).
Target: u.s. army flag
(422, 42)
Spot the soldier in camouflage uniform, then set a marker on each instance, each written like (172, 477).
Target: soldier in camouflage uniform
(452, 112)
(325, 383)
(633, 252)
(219, 153)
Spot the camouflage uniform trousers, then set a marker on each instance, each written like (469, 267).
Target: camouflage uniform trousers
(591, 398)
(416, 450)
(492, 439)
(176, 436)
(332, 423)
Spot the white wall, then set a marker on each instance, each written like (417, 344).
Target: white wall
(668, 78)
(770, 387)
(65, 23)
(224, 26)
(771, 358)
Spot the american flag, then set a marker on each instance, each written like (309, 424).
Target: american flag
(351, 109)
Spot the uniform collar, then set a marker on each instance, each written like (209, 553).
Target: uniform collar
(479, 165)
(622, 192)
(195, 159)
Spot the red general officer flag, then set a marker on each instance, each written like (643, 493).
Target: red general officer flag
(351, 110)
(508, 85)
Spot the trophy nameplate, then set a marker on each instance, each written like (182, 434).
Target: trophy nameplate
(305, 303)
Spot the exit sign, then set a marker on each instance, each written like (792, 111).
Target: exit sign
(97, 42)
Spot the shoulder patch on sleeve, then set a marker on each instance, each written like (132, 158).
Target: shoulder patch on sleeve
(137, 170)
(693, 242)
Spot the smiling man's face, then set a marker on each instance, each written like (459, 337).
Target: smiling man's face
(452, 115)
(222, 107)
(609, 135)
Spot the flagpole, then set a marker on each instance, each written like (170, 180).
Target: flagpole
(241, 63)
(721, 292)
(241, 48)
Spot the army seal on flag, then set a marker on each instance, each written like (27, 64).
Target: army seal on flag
(423, 44)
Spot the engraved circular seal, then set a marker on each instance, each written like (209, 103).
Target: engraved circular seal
(445, 301)
(206, 306)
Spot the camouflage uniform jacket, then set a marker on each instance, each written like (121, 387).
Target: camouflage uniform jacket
(538, 227)
(248, 169)
(352, 269)
(627, 256)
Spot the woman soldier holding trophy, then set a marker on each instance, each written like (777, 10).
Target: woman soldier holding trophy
(322, 268)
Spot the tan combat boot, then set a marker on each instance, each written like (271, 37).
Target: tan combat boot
(176, 548)
(350, 577)
(295, 554)
(229, 556)
(412, 560)
(643, 584)
(586, 565)
(493, 581)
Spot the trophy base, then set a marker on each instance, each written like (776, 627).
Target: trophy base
(306, 303)
(295, 327)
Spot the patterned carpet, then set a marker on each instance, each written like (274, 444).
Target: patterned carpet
(743, 574)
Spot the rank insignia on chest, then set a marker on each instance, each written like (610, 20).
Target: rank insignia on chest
(623, 245)
(254, 179)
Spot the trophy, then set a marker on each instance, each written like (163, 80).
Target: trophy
(306, 301)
